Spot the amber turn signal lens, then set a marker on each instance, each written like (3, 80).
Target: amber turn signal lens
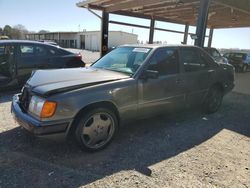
(48, 109)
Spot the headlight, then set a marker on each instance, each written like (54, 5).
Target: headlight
(41, 107)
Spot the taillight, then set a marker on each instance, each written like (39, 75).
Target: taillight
(79, 57)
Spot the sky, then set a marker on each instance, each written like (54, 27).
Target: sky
(64, 15)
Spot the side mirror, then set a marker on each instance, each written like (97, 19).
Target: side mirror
(150, 74)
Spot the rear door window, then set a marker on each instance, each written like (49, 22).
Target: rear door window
(40, 51)
(206, 59)
(193, 59)
(53, 52)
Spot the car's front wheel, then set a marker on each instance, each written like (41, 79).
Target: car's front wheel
(96, 129)
(213, 100)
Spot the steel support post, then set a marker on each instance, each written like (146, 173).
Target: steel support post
(185, 34)
(104, 33)
(151, 31)
(202, 22)
(210, 39)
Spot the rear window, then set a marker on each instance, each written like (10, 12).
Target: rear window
(237, 56)
(64, 52)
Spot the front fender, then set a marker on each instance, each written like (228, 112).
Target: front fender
(122, 94)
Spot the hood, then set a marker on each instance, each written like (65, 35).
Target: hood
(48, 82)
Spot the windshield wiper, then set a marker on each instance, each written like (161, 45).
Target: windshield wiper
(116, 70)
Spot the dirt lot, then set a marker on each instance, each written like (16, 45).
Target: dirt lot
(189, 149)
(88, 57)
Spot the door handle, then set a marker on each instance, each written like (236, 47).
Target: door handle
(3, 63)
(40, 66)
(211, 70)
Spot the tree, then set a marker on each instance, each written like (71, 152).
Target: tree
(43, 31)
(1, 31)
(7, 30)
(19, 31)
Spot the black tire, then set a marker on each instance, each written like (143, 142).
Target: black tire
(213, 100)
(244, 69)
(90, 128)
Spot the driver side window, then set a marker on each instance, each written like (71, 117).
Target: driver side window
(165, 61)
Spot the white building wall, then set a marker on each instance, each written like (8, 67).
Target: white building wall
(95, 41)
(117, 38)
(92, 39)
(68, 36)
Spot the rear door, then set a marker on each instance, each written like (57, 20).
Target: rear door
(26, 61)
(166, 92)
(33, 57)
(42, 57)
(197, 73)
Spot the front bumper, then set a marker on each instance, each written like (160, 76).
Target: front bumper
(35, 126)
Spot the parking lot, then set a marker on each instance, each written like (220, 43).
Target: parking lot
(187, 149)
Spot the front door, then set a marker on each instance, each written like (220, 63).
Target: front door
(7, 63)
(165, 93)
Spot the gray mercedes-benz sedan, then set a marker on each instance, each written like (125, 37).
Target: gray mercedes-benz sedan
(130, 82)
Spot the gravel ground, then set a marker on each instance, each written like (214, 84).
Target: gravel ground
(187, 149)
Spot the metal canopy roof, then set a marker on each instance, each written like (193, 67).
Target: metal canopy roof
(222, 13)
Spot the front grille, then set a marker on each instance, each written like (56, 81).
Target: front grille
(25, 98)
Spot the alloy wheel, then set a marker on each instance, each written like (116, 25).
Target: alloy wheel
(97, 130)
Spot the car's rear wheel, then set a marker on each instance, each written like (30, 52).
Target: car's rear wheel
(96, 129)
(213, 100)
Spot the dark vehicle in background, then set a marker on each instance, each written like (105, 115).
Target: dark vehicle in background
(240, 60)
(130, 82)
(19, 58)
(49, 42)
(216, 55)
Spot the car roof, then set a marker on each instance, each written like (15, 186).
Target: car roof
(23, 41)
(154, 46)
(209, 48)
(236, 53)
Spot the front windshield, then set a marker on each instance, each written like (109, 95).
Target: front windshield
(123, 59)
